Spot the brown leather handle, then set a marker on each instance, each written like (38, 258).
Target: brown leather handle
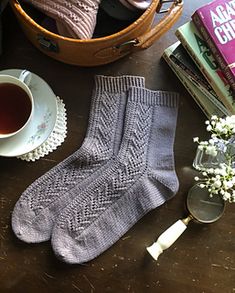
(147, 39)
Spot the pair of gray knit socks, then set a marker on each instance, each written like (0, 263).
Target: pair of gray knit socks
(124, 169)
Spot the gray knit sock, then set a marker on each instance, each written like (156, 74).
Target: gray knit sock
(40, 204)
(141, 178)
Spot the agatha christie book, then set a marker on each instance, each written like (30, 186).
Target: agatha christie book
(216, 22)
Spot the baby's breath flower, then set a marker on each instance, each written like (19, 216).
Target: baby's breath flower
(201, 147)
(211, 150)
(228, 185)
(220, 178)
(211, 171)
(217, 183)
(209, 128)
(226, 195)
(214, 117)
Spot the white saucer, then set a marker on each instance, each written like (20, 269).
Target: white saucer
(41, 124)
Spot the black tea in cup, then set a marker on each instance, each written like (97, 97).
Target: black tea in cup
(15, 108)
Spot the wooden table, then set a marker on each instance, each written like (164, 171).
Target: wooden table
(201, 261)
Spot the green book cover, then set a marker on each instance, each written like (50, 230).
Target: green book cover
(208, 106)
(199, 51)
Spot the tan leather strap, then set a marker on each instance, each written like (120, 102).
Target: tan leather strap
(174, 12)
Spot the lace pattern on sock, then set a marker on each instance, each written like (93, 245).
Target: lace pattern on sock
(110, 188)
(88, 159)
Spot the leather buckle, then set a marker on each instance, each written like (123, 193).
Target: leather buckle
(162, 2)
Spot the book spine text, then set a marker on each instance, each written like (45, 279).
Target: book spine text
(228, 73)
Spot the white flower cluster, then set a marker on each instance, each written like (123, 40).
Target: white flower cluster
(208, 146)
(221, 128)
(219, 179)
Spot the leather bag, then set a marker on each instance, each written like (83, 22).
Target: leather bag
(139, 35)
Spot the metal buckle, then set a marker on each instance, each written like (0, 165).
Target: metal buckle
(47, 44)
(162, 2)
(126, 46)
(128, 43)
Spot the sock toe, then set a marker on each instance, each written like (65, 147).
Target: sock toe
(67, 248)
(27, 227)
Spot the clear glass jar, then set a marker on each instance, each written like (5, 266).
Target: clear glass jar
(225, 154)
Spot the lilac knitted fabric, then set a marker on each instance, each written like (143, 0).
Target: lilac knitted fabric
(40, 204)
(75, 17)
(140, 178)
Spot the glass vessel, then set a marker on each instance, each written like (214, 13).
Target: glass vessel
(225, 154)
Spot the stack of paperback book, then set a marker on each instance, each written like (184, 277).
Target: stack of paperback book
(204, 57)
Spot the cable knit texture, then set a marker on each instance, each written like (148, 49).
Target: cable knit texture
(141, 177)
(40, 204)
(76, 17)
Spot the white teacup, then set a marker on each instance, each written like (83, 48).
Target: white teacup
(16, 103)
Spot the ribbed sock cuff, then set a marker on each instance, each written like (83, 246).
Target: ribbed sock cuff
(150, 97)
(117, 84)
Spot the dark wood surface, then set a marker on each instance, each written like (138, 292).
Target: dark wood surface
(202, 259)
